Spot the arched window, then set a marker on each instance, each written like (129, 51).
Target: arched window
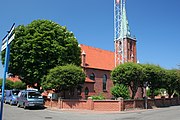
(92, 76)
(104, 82)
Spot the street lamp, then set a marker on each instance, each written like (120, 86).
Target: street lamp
(145, 95)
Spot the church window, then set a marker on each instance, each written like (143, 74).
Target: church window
(104, 82)
(92, 76)
(86, 91)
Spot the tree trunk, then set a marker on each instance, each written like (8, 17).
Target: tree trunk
(133, 90)
(170, 92)
(152, 93)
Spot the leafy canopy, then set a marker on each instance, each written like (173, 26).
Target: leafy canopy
(39, 47)
(13, 85)
(64, 78)
(128, 74)
(153, 74)
(170, 81)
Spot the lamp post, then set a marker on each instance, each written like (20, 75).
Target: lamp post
(145, 95)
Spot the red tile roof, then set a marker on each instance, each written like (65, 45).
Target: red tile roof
(14, 79)
(98, 58)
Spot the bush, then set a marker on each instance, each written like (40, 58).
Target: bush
(9, 85)
(156, 92)
(120, 90)
(19, 85)
(64, 78)
(98, 97)
(13, 85)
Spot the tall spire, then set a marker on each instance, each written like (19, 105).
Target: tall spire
(125, 31)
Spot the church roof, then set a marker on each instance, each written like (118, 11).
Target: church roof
(14, 79)
(98, 58)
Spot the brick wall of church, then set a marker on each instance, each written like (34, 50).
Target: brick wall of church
(98, 85)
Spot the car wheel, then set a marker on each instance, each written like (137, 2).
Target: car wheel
(18, 105)
(24, 106)
(11, 103)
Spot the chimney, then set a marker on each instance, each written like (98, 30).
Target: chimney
(83, 59)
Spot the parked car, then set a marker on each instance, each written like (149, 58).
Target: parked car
(11, 96)
(30, 98)
(0, 96)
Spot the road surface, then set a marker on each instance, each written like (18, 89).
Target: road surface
(14, 113)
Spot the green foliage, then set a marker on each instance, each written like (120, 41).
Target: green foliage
(178, 82)
(157, 92)
(8, 84)
(153, 74)
(148, 93)
(155, 77)
(170, 81)
(120, 90)
(128, 74)
(19, 85)
(98, 97)
(13, 85)
(64, 78)
(39, 47)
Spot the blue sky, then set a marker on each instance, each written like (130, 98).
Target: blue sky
(155, 23)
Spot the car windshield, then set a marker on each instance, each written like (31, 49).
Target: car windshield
(34, 95)
(15, 93)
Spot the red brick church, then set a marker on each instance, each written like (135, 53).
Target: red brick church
(98, 64)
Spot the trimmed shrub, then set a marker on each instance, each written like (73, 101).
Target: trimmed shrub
(120, 90)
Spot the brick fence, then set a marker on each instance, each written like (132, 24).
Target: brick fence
(111, 105)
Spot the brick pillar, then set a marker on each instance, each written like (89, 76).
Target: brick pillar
(51, 103)
(90, 104)
(60, 103)
(121, 104)
(134, 104)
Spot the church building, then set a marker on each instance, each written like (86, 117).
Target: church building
(98, 63)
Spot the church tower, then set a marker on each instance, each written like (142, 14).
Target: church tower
(125, 44)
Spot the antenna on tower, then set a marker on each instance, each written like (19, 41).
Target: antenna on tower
(125, 45)
(118, 31)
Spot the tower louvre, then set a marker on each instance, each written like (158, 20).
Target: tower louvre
(125, 45)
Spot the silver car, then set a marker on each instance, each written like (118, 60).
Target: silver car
(30, 98)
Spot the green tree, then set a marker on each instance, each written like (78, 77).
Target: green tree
(178, 82)
(19, 85)
(120, 90)
(153, 74)
(8, 84)
(64, 78)
(39, 47)
(170, 81)
(129, 74)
